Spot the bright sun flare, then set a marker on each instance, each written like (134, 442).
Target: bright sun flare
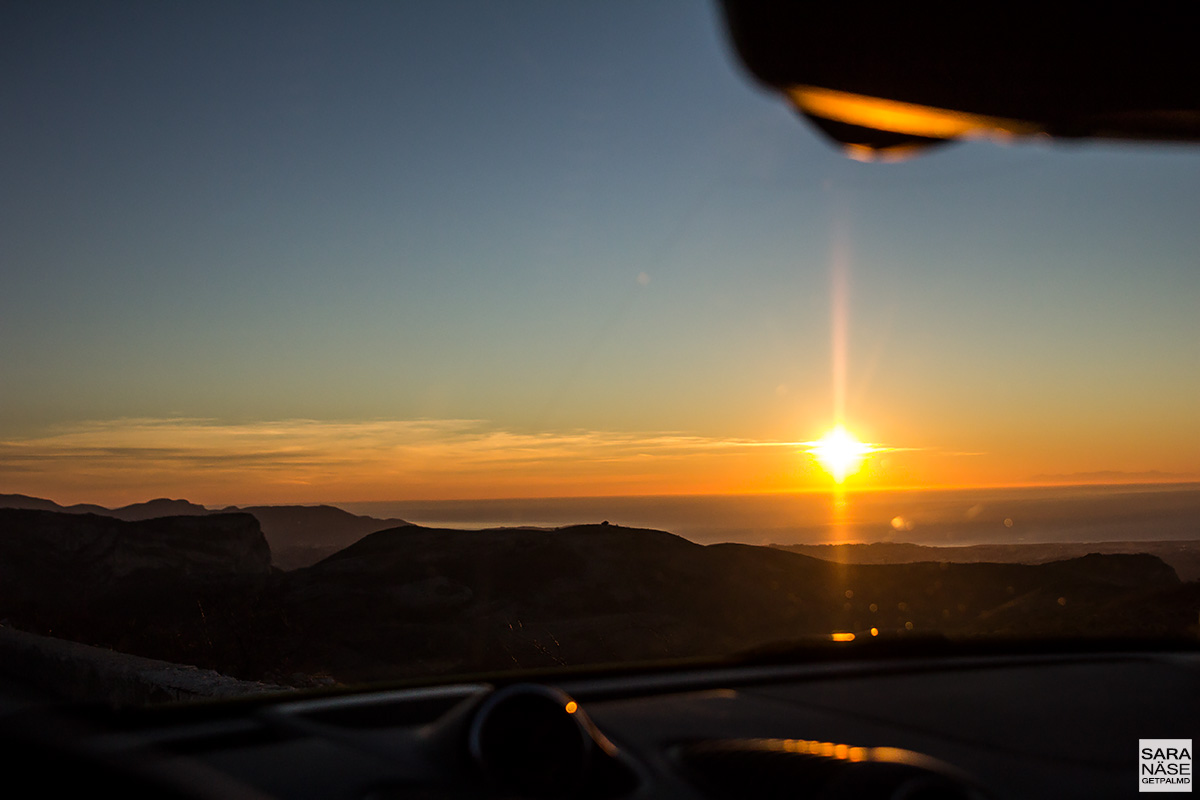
(840, 453)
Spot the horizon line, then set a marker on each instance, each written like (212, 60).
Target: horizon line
(840, 490)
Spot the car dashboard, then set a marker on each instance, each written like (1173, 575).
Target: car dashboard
(1019, 726)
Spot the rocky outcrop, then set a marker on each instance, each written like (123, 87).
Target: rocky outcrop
(192, 590)
(95, 551)
(299, 536)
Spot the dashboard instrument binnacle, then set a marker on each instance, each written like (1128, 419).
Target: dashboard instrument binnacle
(1020, 726)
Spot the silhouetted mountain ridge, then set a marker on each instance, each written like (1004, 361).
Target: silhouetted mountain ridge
(24, 501)
(298, 535)
(412, 601)
(1182, 555)
(440, 598)
(321, 526)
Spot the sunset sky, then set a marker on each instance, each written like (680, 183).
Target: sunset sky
(302, 252)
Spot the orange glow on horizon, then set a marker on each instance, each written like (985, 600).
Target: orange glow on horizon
(116, 462)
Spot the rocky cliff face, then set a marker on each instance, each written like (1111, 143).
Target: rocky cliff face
(299, 536)
(93, 551)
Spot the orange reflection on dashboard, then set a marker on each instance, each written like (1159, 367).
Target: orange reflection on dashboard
(842, 637)
(898, 117)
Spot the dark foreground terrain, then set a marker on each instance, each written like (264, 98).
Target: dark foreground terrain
(413, 601)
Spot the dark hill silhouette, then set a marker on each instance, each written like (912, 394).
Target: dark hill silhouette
(414, 601)
(452, 600)
(298, 535)
(160, 507)
(151, 509)
(449, 599)
(303, 535)
(39, 504)
(1182, 555)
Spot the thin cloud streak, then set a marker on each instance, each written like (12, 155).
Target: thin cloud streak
(422, 455)
(289, 441)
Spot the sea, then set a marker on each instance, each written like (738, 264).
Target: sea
(941, 517)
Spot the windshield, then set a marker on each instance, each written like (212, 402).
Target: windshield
(301, 302)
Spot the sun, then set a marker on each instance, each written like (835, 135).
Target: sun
(840, 453)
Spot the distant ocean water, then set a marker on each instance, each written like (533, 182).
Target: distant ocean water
(1143, 512)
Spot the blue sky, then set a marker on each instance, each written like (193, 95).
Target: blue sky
(545, 220)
